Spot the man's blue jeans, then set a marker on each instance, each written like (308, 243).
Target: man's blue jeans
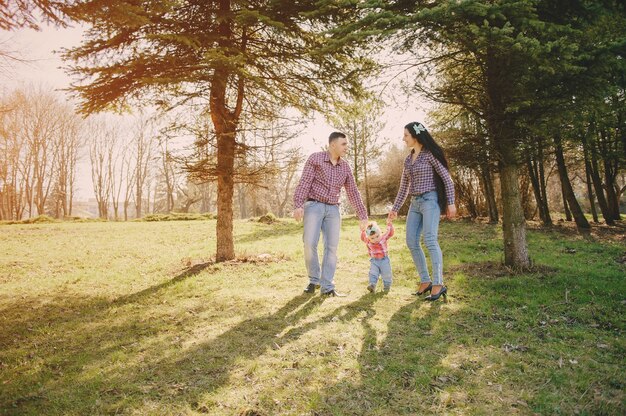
(424, 216)
(324, 218)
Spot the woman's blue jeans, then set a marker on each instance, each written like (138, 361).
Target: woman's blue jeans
(423, 218)
(324, 218)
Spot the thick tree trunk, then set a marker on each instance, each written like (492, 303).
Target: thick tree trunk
(569, 195)
(513, 222)
(225, 122)
(225, 186)
(499, 129)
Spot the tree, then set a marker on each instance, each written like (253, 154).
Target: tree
(141, 155)
(507, 46)
(231, 56)
(104, 141)
(68, 143)
(15, 14)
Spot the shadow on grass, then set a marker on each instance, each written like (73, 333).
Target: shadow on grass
(77, 371)
(21, 319)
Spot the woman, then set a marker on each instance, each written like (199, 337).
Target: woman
(421, 168)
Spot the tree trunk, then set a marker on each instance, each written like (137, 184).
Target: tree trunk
(499, 130)
(597, 184)
(608, 148)
(569, 195)
(537, 178)
(490, 195)
(225, 186)
(592, 203)
(566, 210)
(611, 192)
(513, 222)
(225, 124)
(543, 185)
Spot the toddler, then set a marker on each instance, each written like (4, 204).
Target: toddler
(379, 260)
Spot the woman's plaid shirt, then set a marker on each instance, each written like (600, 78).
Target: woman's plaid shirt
(418, 177)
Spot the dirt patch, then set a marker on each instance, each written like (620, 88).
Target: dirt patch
(493, 270)
(599, 232)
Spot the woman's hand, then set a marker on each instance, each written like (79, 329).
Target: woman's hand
(392, 216)
(451, 211)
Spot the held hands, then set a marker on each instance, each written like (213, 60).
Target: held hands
(392, 216)
(298, 214)
(363, 225)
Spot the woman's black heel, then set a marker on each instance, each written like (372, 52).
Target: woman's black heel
(428, 289)
(443, 292)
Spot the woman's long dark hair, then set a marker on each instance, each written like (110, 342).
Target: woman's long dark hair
(419, 132)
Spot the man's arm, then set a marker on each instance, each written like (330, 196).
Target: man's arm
(302, 190)
(354, 196)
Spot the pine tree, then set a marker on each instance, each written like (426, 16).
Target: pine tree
(507, 47)
(235, 56)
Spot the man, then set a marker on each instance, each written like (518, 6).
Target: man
(317, 200)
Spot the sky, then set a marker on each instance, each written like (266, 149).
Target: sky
(42, 66)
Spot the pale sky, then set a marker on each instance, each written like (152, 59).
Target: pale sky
(43, 68)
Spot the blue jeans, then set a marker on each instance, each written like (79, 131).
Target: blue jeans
(382, 268)
(324, 218)
(424, 216)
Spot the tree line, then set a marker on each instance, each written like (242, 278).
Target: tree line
(518, 83)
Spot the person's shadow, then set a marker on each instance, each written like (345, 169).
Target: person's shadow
(393, 374)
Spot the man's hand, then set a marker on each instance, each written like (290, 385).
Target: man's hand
(392, 216)
(298, 214)
(451, 211)
(363, 225)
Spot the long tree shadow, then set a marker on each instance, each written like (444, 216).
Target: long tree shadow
(21, 319)
(77, 374)
(180, 377)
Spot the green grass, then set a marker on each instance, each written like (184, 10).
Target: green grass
(134, 319)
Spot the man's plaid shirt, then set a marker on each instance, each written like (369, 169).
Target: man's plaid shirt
(322, 181)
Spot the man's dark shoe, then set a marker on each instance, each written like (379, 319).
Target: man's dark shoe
(334, 293)
(311, 288)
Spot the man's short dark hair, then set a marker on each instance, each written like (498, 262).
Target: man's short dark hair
(334, 136)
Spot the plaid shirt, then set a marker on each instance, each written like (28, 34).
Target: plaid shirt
(322, 181)
(419, 177)
(378, 250)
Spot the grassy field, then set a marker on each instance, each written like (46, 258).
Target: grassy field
(135, 319)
